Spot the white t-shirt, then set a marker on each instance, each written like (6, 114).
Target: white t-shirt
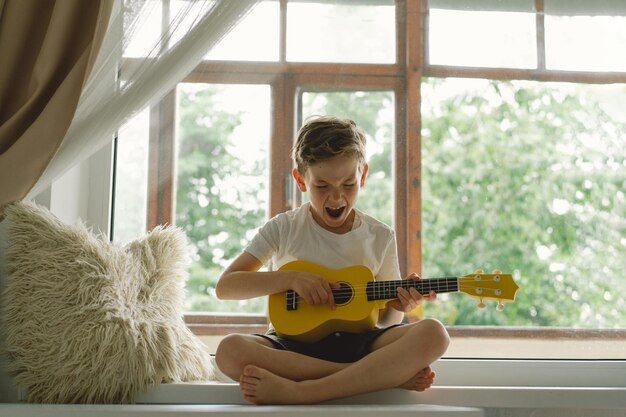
(294, 235)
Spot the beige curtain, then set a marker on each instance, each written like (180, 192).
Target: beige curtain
(47, 50)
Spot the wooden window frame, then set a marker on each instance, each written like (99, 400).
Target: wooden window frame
(285, 80)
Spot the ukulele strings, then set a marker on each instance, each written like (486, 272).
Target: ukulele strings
(458, 284)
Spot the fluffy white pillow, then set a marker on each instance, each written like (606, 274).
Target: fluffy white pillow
(87, 321)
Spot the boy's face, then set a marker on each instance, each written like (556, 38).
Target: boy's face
(333, 187)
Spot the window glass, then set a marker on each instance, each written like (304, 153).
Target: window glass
(255, 38)
(482, 38)
(222, 177)
(131, 184)
(341, 31)
(142, 35)
(372, 111)
(528, 178)
(586, 43)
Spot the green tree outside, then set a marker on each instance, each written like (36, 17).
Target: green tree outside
(528, 179)
(219, 198)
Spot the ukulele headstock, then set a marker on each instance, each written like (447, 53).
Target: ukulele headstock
(495, 286)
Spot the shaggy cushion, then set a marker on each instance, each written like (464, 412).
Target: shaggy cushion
(87, 321)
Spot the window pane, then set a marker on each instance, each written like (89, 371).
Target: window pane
(142, 29)
(222, 177)
(528, 178)
(482, 38)
(372, 111)
(586, 43)
(131, 185)
(255, 38)
(147, 34)
(336, 32)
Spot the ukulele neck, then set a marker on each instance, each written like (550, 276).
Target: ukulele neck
(385, 290)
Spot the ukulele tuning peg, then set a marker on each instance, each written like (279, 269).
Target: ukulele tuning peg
(479, 271)
(497, 271)
(500, 306)
(481, 305)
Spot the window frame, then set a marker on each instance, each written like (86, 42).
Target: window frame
(287, 79)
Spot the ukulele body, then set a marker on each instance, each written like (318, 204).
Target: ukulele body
(310, 323)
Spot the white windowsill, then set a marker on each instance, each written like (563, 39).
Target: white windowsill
(531, 373)
(455, 396)
(471, 383)
(220, 399)
(463, 383)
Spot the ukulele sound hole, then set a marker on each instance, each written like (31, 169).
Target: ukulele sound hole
(343, 294)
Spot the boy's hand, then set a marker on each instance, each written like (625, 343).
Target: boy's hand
(411, 298)
(315, 289)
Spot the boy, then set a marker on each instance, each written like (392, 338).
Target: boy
(330, 164)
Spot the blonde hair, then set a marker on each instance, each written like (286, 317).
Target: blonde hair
(324, 137)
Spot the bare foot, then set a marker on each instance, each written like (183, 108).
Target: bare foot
(260, 386)
(421, 381)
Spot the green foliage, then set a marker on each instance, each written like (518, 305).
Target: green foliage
(517, 177)
(212, 197)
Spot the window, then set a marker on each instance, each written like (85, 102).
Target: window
(587, 38)
(482, 38)
(221, 181)
(599, 39)
(131, 195)
(341, 32)
(263, 46)
(546, 182)
(497, 145)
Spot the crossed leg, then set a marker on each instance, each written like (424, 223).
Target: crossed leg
(401, 357)
(236, 351)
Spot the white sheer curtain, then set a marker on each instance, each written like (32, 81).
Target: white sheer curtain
(187, 34)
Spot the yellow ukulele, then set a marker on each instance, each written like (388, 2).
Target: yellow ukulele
(359, 299)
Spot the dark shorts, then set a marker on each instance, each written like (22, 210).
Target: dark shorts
(341, 347)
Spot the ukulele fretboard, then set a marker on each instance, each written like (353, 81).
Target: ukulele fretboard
(383, 290)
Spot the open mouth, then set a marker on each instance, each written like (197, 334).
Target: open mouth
(335, 212)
